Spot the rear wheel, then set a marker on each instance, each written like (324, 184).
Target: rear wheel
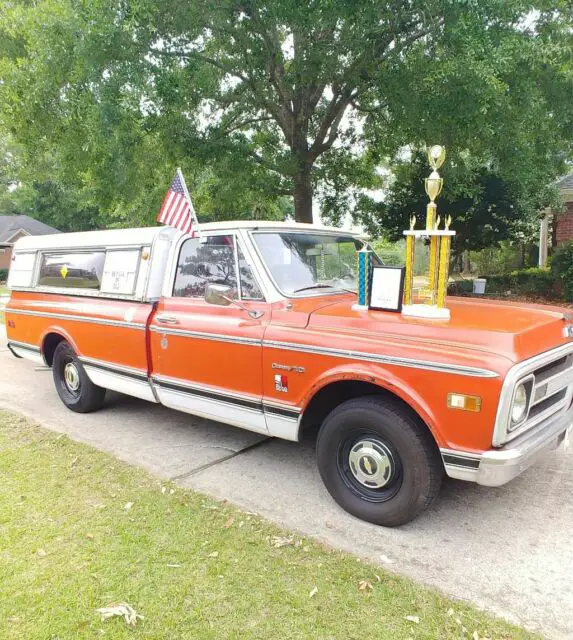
(73, 385)
(378, 461)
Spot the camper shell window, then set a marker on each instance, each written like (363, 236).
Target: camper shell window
(72, 270)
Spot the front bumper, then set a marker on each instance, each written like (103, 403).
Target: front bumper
(498, 466)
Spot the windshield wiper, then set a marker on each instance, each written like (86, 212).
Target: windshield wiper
(315, 286)
(323, 286)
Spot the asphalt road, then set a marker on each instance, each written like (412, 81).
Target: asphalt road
(509, 549)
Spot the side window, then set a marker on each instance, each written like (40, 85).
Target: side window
(211, 260)
(250, 289)
(72, 270)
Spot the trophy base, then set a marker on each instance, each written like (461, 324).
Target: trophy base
(359, 307)
(426, 311)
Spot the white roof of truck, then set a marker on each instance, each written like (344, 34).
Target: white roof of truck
(111, 238)
(145, 235)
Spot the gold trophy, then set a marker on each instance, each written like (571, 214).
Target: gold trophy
(430, 301)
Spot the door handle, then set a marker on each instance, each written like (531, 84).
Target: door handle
(167, 319)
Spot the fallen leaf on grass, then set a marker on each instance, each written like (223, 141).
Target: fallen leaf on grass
(175, 566)
(41, 553)
(281, 541)
(128, 506)
(214, 554)
(365, 585)
(313, 592)
(450, 612)
(386, 559)
(414, 619)
(229, 522)
(121, 609)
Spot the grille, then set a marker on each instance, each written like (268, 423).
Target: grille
(550, 394)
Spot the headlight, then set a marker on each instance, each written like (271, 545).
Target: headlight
(520, 405)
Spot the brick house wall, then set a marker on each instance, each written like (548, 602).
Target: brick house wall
(5, 257)
(563, 225)
(6, 251)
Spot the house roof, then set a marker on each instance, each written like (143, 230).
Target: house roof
(10, 225)
(566, 183)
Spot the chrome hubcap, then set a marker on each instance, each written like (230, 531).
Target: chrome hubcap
(371, 463)
(72, 377)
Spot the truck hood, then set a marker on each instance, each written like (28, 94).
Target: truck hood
(515, 331)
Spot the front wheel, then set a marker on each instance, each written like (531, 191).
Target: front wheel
(378, 461)
(73, 385)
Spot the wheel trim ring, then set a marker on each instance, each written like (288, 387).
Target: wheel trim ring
(363, 491)
(72, 379)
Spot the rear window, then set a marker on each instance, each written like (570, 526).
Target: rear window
(72, 270)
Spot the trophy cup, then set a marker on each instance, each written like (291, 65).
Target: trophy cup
(429, 301)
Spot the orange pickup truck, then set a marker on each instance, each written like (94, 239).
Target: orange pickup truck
(254, 324)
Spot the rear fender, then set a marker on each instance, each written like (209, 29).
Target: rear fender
(60, 331)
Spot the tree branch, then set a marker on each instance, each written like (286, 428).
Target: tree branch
(245, 123)
(331, 122)
(265, 163)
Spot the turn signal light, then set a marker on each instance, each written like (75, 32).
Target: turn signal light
(464, 402)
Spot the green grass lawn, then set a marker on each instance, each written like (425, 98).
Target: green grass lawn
(80, 530)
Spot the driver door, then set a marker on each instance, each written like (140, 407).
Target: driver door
(207, 359)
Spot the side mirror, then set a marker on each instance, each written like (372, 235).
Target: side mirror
(219, 294)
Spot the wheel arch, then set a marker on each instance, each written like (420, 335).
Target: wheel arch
(51, 339)
(342, 385)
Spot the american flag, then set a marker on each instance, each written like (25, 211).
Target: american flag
(177, 209)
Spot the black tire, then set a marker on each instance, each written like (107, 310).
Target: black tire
(87, 397)
(405, 461)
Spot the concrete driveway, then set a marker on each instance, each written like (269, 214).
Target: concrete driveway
(509, 549)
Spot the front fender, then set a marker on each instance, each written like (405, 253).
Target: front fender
(386, 380)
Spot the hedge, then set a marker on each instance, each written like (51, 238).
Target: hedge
(562, 269)
(534, 282)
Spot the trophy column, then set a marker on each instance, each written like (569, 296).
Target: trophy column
(429, 301)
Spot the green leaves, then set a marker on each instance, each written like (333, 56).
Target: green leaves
(254, 98)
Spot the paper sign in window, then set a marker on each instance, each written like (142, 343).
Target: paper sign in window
(120, 271)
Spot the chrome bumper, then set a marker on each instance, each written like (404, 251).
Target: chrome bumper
(498, 466)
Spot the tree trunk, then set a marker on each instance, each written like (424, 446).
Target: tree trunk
(303, 194)
(467, 263)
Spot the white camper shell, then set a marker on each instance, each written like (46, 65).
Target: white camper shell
(131, 263)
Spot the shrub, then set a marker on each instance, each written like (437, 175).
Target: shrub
(525, 282)
(534, 282)
(3, 275)
(461, 288)
(562, 269)
(493, 261)
(391, 253)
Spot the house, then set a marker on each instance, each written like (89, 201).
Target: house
(14, 227)
(563, 220)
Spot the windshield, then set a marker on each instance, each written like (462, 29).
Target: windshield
(306, 262)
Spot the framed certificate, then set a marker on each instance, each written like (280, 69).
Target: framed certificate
(387, 288)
